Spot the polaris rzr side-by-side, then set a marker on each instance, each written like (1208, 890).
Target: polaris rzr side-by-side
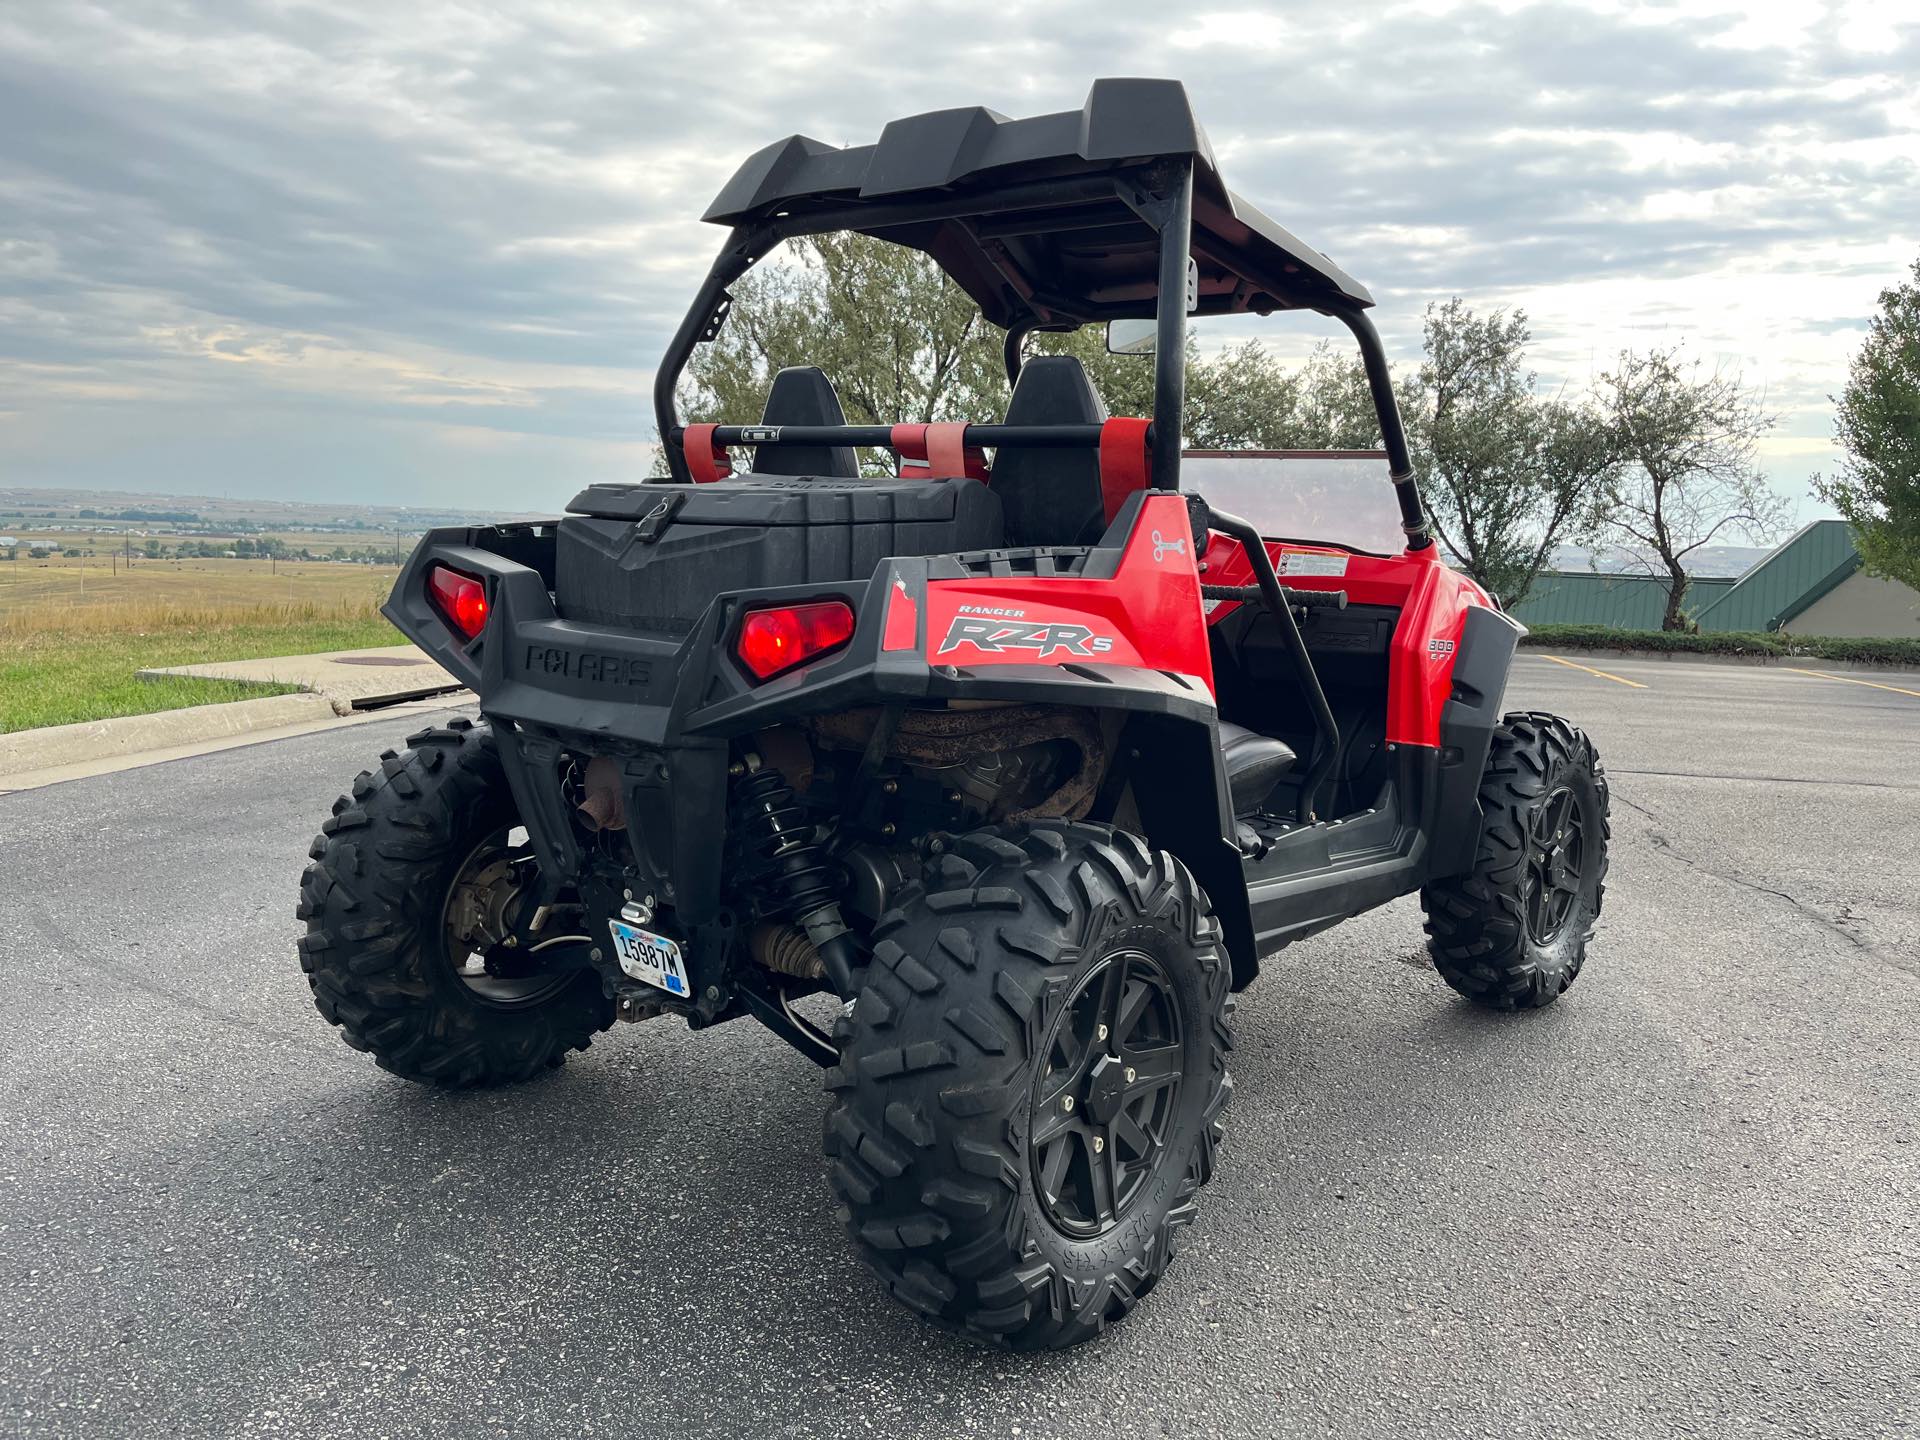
(1027, 755)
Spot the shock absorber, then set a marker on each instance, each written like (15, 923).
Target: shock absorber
(781, 834)
(771, 816)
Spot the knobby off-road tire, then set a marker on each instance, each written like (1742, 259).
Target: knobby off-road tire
(377, 950)
(967, 1034)
(1512, 933)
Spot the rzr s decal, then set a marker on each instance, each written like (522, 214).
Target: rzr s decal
(998, 635)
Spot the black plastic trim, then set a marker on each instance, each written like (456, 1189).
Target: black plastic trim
(1480, 668)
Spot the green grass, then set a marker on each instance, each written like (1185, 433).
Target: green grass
(59, 674)
(1666, 642)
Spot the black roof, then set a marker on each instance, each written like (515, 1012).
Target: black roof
(1027, 215)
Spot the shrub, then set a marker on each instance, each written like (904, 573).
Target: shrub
(1779, 644)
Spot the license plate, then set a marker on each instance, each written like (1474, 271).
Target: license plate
(649, 958)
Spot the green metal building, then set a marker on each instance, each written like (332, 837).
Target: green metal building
(1812, 585)
(1622, 602)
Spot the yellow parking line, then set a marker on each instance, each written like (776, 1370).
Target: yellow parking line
(1849, 680)
(1617, 679)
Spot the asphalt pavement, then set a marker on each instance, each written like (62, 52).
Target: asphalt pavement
(1685, 1200)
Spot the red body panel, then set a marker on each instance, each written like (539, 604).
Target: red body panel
(1433, 602)
(1148, 614)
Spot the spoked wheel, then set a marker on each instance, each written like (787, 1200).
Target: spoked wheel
(1555, 865)
(414, 883)
(1511, 933)
(1030, 1082)
(1105, 1100)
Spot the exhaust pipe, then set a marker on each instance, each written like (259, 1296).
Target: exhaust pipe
(604, 804)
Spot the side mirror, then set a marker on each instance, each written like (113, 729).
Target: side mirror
(1132, 337)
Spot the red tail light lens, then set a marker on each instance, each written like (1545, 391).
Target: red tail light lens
(772, 641)
(460, 599)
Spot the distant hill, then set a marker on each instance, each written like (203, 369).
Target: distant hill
(91, 508)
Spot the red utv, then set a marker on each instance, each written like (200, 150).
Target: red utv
(1027, 755)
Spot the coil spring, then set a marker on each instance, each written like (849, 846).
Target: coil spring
(771, 817)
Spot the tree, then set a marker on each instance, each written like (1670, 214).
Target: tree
(1506, 475)
(902, 342)
(1690, 478)
(1878, 425)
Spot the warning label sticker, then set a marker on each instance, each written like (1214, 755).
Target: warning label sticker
(1300, 562)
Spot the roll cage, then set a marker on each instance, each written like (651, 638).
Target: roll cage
(1112, 211)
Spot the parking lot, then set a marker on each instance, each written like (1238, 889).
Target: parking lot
(1684, 1200)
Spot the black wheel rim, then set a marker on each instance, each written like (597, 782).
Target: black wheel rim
(1556, 865)
(472, 925)
(1106, 1094)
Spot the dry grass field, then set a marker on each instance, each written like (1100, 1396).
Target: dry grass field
(72, 632)
(36, 593)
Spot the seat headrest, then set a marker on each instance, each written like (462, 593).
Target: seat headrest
(1051, 497)
(802, 395)
(1054, 390)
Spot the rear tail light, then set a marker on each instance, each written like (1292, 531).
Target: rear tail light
(774, 641)
(460, 599)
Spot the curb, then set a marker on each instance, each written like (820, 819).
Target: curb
(55, 746)
(1701, 657)
(232, 737)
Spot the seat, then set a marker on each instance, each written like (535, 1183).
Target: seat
(802, 395)
(1254, 764)
(1051, 497)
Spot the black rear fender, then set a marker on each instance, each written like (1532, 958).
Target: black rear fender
(1179, 790)
(1480, 669)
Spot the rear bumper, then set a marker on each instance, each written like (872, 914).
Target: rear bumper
(667, 708)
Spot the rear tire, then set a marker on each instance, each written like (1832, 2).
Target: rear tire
(377, 950)
(966, 1178)
(1512, 933)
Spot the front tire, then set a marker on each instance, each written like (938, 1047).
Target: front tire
(1512, 933)
(379, 900)
(1031, 1081)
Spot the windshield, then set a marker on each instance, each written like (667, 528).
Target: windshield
(1326, 497)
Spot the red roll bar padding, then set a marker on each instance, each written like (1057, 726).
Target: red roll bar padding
(948, 453)
(1124, 467)
(938, 452)
(706, 461)
(910, 444)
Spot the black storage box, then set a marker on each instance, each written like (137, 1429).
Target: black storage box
(616, 565)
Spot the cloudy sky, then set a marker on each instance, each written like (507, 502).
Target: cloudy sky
(430, 251)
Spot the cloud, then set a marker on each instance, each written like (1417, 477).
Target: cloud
(438, 247)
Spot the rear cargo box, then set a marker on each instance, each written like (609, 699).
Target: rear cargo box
(614, 565)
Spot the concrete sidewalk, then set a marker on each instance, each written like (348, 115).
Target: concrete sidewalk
(352, 679)
(31, 759)
(335, 687)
